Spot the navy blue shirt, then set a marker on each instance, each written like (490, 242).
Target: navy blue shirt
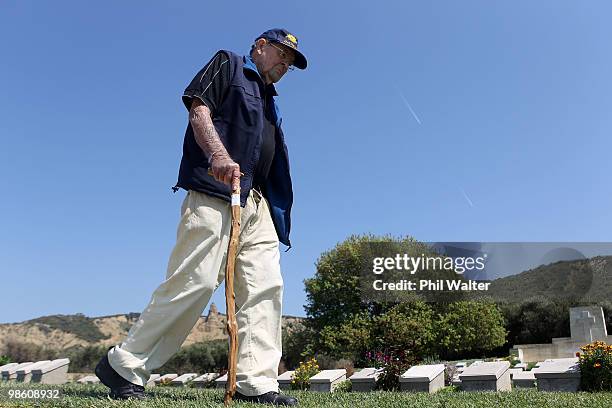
(240, 118)
(210, 86)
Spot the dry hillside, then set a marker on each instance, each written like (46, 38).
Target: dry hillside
(61, 332)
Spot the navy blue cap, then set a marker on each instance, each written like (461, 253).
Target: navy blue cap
(282, 36)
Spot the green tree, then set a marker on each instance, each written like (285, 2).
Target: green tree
(470, 327)
(335, 294)
(408, 327)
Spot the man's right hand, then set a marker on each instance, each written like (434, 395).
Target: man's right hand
(225, 170)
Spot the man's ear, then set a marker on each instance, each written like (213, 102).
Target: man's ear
(258, 44)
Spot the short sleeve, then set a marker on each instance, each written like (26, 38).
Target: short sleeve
(210, 83)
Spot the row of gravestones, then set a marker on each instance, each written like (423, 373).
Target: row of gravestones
(550, 375)
(44, 372)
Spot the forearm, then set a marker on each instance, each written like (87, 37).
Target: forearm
(222, 167)
(204, 131)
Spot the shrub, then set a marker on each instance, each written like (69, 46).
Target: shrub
(596, 367)
(296, 342)
(84, 359)
(470, 328)
(302, 374)
(344, 386)
(393, 363)
(198, 357)
(5, 360)
(21, 351)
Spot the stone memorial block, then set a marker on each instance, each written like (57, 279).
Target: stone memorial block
(558, 376)
(513, 371)
(456, 381)
(54, 372)
(423, 378)
(152, 379)
(205, 379)
(284, 380)
(10, 373)
(165, 378)
(489, 376)
(327, 380)
(221, 381)
(522, 366)
(25, 374)
(364, 380)
(524, 379)
(182, 380)
(9, 365)
(587, 324)
(89, 379)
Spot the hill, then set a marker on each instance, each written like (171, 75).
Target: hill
(588, 280)
(61, 332)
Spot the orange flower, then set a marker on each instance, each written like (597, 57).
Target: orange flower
(597, 365)
(577, 354)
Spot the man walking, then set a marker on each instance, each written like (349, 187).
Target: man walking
(234, 127)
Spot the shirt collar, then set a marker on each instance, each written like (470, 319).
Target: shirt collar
(250, 65)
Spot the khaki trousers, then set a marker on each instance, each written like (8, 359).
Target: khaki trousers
(195, 270)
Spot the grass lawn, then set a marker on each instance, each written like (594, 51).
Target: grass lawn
(80, 395)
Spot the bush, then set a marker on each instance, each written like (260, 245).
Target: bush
(21, 351)
(596, 367)
(296, 341)
(393, 363)
(84, 359)
(5, 360)
(199, 357)
(302, 374)
(470, 328)
(344, 386)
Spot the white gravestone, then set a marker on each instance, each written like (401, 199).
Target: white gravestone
(165, 379)
(55, 372)
(182, 380)
(365, 380)
(513, 371)
(10, 373)
(456, 381)
(524, 379)
(522, 366)
(423, 378)
(560, 375)
(284, 380)
(7, 366)
(25, 374)
(489, 376)
(221, 381)
(327, 380)
(89, 379)
(205, 379)
(152, 379)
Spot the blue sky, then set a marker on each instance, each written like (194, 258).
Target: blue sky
(443, 120)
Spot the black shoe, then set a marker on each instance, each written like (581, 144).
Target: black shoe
(120, 387)
(271, 397)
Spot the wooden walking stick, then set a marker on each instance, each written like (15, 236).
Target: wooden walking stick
(230, 300)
